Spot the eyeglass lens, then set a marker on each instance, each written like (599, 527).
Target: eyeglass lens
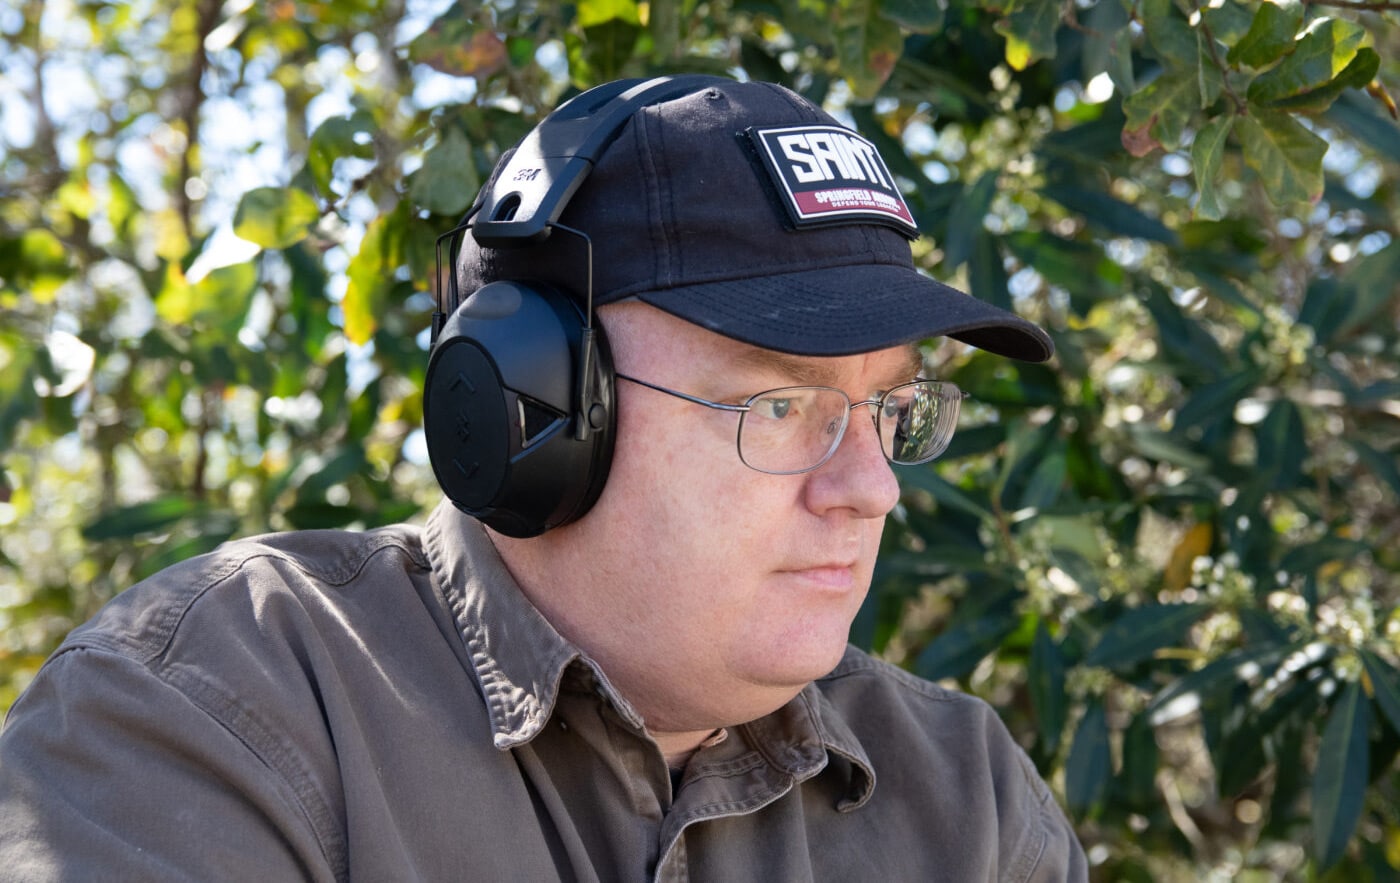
(798, 428)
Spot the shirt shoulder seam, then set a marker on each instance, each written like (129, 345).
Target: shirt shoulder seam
(223, 564)
(240, 722)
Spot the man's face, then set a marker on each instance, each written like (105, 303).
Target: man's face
(709, 592)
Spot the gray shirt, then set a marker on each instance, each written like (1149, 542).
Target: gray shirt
(387, 705)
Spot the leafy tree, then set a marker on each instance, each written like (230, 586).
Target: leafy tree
(1168, 558)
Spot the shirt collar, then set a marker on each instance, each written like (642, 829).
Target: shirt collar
(518, 657)
(520, 660)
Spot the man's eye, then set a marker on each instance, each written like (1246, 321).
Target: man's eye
(773, 408)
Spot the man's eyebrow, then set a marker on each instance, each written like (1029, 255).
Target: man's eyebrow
(913, 363)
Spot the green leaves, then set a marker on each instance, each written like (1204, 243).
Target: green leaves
(1270, 36)
(455, 44)
(1286, 155)
(1207, 154)
(148, 517)
(275, 217)
(1324, 52)
(1299, 73)
(1180, 531)
(35, 262)
(1137, 634)
(447, 181)
(371, 274)
(1046, 680)
(1029, 27)
(1159, 112)
(337, 138)
(1090, 763)
(1339, 779)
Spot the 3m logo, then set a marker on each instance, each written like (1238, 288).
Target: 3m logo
(831, 175)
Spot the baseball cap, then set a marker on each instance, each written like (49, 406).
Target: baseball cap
(751, 212)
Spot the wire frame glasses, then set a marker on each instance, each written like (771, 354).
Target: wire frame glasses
(796, 429)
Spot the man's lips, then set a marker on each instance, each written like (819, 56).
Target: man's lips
(836, 575)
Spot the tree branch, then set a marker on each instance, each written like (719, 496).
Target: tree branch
(191, 106)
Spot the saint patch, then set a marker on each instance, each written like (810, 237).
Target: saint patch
(831, 175)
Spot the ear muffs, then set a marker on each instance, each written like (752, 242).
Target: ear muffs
(518, 402)
(500, 409)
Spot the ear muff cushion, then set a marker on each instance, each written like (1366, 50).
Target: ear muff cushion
(499, 410)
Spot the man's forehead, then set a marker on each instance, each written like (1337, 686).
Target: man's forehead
(895, 365)
(643, 328)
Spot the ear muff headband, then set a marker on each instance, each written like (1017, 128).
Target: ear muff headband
(518, 401)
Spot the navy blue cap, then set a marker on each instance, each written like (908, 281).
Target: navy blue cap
(749, 211)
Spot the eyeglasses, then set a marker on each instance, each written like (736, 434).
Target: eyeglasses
(797, 428)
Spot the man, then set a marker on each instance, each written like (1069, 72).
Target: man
(655, 686)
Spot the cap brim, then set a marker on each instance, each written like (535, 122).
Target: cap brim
(847, 310)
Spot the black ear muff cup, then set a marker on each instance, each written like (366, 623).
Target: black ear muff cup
(518, 402)
(499, 409)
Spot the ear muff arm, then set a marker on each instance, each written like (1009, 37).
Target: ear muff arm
(527, 197)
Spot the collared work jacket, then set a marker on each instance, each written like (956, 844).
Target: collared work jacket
(388, 706)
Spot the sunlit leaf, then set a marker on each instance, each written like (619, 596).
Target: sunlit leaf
(1029, 27)
(596, 12)
(1207, 152)
(35, 262)
(1339, 779)
(335, 138)
(275, 217)
(447, 181)
(1360, 72)
(1272, 34)
(454, 44)
(867, 44)
(1194, 543)
(1286, 155)
(221, 296)
(1324, 51)
(371, 274)
(1158, 112)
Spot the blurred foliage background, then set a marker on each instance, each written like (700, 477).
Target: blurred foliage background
(1170, 558)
